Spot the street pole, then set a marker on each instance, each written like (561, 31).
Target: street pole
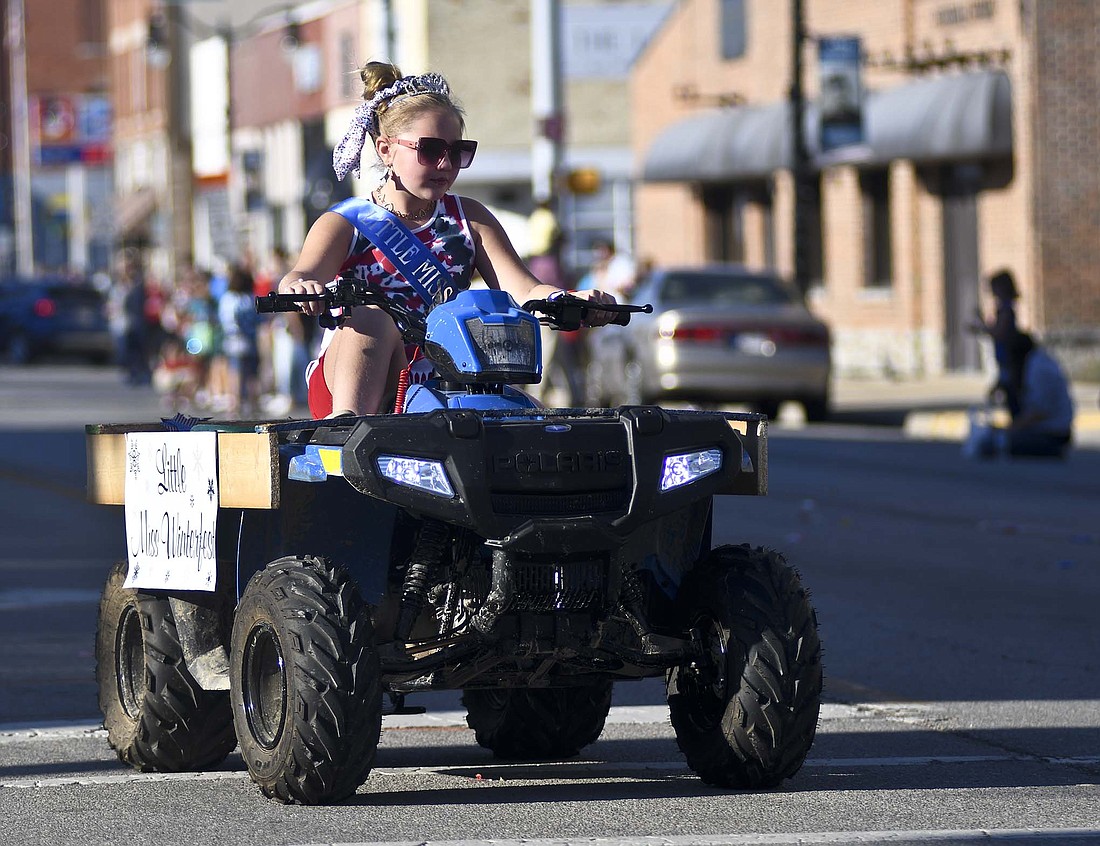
(179, 140)
(801, 163)
(389, 31)
(546, 98)
(21, 140)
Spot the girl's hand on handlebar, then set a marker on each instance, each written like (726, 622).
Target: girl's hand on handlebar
(596, 317)
(313, 308)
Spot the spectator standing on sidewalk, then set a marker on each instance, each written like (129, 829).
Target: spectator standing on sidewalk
(292, 335)
(562, 352)
(1002, 330)
(546, 240)
(126, 315)
(610, 271)
(240, 326)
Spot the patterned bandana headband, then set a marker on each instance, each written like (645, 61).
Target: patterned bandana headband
(347, 155)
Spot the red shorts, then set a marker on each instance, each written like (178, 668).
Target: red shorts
(318, 394)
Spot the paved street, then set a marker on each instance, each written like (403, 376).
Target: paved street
(957, 604)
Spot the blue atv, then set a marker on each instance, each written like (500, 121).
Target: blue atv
(476, 541)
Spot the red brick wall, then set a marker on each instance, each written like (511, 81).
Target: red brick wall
(1066, 37)
(66, 49)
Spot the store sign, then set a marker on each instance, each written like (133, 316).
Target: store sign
(962, 13)
(70, 129)
(171, 505)
(841, 99)
(601, 41)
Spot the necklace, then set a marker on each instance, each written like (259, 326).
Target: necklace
(413, 216)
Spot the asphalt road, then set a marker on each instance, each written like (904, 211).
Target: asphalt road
(957, 602)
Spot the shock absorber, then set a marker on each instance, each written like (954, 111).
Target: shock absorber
(631, 601)
(431, 545)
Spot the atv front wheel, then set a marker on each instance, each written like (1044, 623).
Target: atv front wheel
(156, 715)
(305, 682)
(745, 712)
(538, 723)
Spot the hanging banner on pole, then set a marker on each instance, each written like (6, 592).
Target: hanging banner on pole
(841, 100)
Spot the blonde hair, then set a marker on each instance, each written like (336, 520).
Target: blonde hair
(391, 103)
(397, 112)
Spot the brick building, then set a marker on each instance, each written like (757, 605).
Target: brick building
(258, 183)
(981, 123)
(57, 116)
(484, 49)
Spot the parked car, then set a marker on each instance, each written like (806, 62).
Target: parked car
(720, 333)
(53, 315)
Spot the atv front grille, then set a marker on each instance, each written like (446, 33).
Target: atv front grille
(571, 586)
(560, 504)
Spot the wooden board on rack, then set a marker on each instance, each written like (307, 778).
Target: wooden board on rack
(248, 467)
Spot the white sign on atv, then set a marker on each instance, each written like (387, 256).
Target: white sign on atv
(171, 510)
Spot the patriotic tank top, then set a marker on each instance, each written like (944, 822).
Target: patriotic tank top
(447, 234)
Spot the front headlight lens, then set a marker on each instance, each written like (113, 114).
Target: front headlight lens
(504, 347)
(687, 467)
(420, 473)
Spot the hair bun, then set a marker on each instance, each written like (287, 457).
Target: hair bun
(378, 75)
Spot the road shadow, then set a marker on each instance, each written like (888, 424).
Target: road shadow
(617, 769)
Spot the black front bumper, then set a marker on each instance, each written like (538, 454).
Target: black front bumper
(553, 479)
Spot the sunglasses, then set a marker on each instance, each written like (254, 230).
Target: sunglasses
(431, 152)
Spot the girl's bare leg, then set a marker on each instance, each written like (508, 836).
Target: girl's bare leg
(363, 361)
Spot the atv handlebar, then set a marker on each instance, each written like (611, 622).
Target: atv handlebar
(566, 312)
(569, 313)
(348, 292)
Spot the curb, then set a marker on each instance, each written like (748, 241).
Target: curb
(954, 425)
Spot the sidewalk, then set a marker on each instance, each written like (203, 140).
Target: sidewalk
(936, 408)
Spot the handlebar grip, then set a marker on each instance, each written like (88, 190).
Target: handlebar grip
(273, 302)
(622, 318)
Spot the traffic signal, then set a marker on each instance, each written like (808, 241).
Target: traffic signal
(583, 180)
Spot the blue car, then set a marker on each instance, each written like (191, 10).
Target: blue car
(53, 316)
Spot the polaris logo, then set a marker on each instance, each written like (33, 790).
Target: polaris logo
(559, 462)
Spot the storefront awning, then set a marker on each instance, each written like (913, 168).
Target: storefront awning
(721, 145)
(946, 118)
(949, 118)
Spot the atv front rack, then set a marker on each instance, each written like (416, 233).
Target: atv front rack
(503, 465)
(564, 471)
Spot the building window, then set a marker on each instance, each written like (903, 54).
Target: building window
(812, 239)
(725, 231)
(739, 218)
(878, 260)
(731, 28)
(760, 195)
(91, 26)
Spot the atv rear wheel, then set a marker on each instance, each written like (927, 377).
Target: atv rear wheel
(305, 682)
(745, 714)
(538, 723)
(156, 715)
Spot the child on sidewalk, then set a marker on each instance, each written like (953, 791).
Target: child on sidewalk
(1002, 330)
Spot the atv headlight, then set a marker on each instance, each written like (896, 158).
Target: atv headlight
(688, 467)
(504, 347)
(420, 473)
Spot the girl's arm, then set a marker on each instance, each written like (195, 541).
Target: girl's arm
(501, 267)
(323, 254)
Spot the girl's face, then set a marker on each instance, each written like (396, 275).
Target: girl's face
(431, 180)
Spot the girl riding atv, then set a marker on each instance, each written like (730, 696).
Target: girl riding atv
(416, 129)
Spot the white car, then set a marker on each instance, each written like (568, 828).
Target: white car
(719, 333)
